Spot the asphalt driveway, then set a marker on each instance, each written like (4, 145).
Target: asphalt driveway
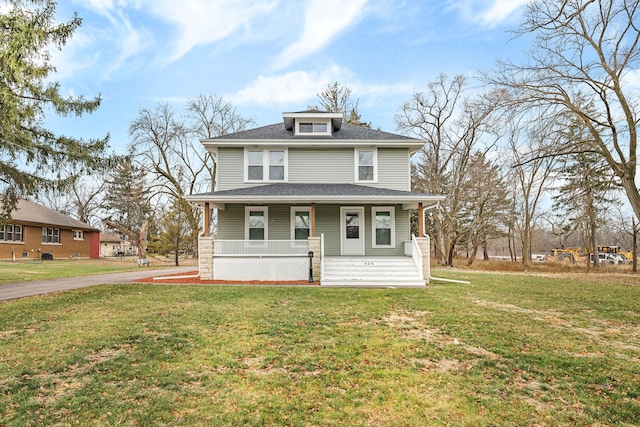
(27, 289)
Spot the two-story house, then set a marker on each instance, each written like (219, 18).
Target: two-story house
(314, 187)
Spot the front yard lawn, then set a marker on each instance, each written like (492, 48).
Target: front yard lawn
(504, 350)
(27, 271)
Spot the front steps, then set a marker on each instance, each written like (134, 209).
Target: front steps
(384, 272)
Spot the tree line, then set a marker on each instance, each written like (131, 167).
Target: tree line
(559, 125)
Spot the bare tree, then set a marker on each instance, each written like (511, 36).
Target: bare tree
(81, 198)
(454, 129)
(337, 99)
(582, 53)
(209, 116)
(531, 176)
(166, 144)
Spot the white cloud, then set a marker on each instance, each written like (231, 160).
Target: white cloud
(298, 88)
(123, 39)
(324, 20)
(201, 22)
(487, 12)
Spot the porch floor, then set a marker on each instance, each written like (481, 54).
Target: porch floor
(369, 271)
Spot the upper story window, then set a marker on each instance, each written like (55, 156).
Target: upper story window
(266, 165)
(313, 128)
(366, 165)
(10, 233)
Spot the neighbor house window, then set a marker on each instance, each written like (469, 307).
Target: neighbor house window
(78, 235)
(300, 222)
(50, 235)
(383, 226)
(10, 233)
(256, 223)
(317, 128)
(266, 165)
(366, 165)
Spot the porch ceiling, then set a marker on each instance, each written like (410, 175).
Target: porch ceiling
(285, 193)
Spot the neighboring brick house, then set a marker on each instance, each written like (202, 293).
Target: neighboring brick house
(35, 230)
(313, 184)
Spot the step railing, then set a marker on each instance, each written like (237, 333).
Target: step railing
(321, 257)
(416, 254)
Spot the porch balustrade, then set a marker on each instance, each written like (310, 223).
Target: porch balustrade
(260, 248)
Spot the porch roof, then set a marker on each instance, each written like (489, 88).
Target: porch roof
(315, 193)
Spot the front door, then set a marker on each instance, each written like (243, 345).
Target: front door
(352, 230)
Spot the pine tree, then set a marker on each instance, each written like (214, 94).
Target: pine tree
(31, 155)
(129, 206)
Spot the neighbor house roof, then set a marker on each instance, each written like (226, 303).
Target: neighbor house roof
(315, 193)
(110, 237)
(34, 213)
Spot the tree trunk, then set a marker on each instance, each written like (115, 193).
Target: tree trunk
(439, 243)
(472, 256)
(634, 249)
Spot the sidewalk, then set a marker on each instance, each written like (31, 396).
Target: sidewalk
(27, 289)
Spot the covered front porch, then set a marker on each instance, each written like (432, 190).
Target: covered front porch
(290, 231)
(297, 260)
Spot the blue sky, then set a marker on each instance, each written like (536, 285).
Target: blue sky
(270, 56)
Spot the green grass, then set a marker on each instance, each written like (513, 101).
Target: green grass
(510, 350)
(27, 271)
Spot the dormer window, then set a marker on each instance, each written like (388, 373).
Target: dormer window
(304, 127)
(313, 128)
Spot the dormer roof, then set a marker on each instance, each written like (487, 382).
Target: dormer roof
(290, 118)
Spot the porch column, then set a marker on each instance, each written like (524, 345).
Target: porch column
(207, 219)
(420, 220)
(313, 220)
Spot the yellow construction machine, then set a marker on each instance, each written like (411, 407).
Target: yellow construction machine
(568, 255)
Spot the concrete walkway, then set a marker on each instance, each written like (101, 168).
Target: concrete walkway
(27, 289)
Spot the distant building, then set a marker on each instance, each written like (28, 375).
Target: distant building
(113, 245)
(35, 230)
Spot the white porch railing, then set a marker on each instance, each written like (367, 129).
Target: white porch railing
(321, 257)
(416, 254)
(260, 248)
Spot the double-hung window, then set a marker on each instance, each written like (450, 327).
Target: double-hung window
(255, 170)
(10, 233)
(383, 226)
(366, 165)
(50, 235)
(266, 165)
(300, 222)
(256, 223)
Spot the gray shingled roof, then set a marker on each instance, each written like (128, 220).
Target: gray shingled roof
(285, 189)
(347, 132)
(35, 213)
